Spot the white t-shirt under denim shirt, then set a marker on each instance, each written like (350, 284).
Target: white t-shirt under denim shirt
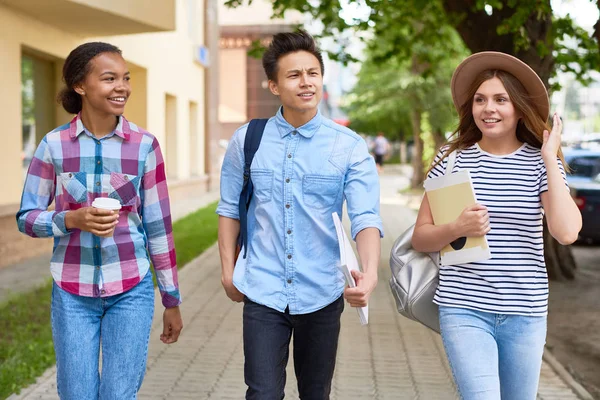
(514, 280)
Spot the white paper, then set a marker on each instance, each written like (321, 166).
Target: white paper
(348, 262)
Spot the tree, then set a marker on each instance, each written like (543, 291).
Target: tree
(526, 29)
(411, 28)
(393, 97)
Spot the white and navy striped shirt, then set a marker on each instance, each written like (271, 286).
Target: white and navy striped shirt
(514, 280)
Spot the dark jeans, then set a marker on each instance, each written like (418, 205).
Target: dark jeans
(267, 335)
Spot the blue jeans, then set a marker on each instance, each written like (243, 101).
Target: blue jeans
(493, 356)
(267, 335)
(120, 323)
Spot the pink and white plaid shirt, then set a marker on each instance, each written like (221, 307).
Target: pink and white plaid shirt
(72, 167)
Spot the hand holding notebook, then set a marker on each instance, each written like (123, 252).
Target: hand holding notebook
(448, 196)
(348, 262)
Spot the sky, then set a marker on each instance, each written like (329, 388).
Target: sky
(584, 12)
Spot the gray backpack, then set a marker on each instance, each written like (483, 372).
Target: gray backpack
(415, 276)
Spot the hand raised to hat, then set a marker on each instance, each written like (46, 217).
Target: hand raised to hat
(552, 139)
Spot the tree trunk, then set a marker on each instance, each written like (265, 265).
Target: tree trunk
(403, 153)
(597, 26)
(560, 263)
(439, 139)
(417, 162)
(470, 25)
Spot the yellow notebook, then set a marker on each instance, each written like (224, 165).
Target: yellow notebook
(448, 196)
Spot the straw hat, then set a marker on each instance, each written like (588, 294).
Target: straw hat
(473, 65)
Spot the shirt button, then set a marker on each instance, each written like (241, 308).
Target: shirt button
(126, 177)
(97, 267)
(70, 175)
(289, 156)
(289, 281)
(289, 231)
(287, 206)
(293, 133)
(97, 183)
(102, 291)
(289, 256)
(99, 162)
(287, 180)
(96, 246)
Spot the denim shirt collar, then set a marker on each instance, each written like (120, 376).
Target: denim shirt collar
(307, 130)
(122, 129)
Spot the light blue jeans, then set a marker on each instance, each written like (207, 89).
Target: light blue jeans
(120, 323)
(493, 356)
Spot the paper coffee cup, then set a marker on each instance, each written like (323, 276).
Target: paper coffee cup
(106, 203)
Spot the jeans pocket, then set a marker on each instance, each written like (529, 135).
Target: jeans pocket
(124, 188)
(74, 185)
(262, 182)
(321, 191)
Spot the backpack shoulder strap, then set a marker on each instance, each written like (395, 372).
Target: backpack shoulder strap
(254, 135)
(450, 165)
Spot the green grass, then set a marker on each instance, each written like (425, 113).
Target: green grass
(26, 349)
(394, 159)
(195, 233)
(25, 339)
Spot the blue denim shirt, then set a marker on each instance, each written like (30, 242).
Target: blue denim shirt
(300, 176)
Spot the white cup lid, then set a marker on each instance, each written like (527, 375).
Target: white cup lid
(106, 203)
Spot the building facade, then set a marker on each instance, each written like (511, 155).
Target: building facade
(167, 47)
(244, 93)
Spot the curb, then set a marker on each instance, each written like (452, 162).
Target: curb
(562, 372)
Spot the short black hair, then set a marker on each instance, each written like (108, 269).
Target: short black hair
(76, 68)
(285, 43)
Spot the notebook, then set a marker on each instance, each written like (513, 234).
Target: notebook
(448, 196)
(348, 262)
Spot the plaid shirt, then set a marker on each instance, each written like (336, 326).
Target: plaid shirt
(73, 168)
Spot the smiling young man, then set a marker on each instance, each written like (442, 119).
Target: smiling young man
(289, 280)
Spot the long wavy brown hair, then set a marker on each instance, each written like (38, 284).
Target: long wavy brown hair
(530, 128)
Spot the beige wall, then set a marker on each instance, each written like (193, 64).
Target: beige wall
(17, 32)
(232, 86)
(168, 58)
(100, 17)
(160, 63)
(155, 13)
(136, 105)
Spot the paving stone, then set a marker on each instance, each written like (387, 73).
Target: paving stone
(391, 358)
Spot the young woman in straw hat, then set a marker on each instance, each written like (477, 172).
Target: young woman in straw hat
(493, 312)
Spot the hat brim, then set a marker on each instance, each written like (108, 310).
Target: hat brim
(475, 64)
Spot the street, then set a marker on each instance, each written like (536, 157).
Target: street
(574, 319)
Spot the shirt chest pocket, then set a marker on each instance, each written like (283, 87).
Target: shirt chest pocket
(321, 191)
(74, 187)
(124, 187)
(262, 183)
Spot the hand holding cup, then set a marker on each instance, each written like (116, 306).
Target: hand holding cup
(100, 219)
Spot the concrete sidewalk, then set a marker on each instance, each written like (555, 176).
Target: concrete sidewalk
(391, 358)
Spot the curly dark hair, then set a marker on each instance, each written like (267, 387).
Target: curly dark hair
(285, 43)
(76, 68)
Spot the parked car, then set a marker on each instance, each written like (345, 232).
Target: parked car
(584, 182)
